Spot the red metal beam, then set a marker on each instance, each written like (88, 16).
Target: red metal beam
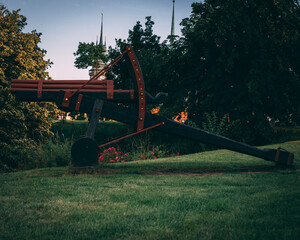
(140, 88)
(131, 134)
(82, 90)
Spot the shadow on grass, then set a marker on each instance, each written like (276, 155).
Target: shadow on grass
(145, 169)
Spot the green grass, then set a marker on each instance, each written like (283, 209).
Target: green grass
(156, 199)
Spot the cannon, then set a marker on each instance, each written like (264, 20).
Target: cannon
(99, 98)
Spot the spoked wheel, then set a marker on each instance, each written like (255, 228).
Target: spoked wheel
(84, 152)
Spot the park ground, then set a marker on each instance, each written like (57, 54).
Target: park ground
(211, 195)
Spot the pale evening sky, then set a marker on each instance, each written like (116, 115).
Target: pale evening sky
(65, 23)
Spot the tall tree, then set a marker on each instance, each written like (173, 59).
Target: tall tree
(20, 57)
(242, 59)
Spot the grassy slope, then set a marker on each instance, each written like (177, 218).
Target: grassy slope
(54, 204)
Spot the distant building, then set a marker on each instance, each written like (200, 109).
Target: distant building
(173, 21)
(100, 63)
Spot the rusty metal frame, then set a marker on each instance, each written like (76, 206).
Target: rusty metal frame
(140, 87)
(131, 134)
(139, 96)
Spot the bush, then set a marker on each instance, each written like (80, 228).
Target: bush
(14, 154)
(56, 152)
(27, 154)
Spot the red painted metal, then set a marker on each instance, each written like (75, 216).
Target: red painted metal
(277, 154)
(289, 160)
(131, 134)
(79, 82)
(110, 90)
(57, 86)
(66, 100)
(78, 102)
(72, 90)
(39, 90)
(140, 88)
(72, 87)
(96, 76)
(131, 94)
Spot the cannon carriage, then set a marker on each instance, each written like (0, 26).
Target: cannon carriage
(99, 98)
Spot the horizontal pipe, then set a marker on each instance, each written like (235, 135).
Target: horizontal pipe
(60, 81)
(58, 90)
(57, 86)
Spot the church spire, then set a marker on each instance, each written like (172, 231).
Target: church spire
(101, 32)
(173, 21)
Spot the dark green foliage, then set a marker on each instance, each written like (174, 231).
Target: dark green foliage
(28, 154)
(12, 119)
(20, 55)
(239, 61)
(148, 49)
(236, 58)
(109, 130)
(89, 54)
(21, 124)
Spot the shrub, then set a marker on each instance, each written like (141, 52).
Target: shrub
(27, 154)
(56, 152)
(15, 154)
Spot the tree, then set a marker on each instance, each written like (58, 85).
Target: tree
(147, 47)
(20, 57)
(242, 59)
(89, 55)
(157, 61)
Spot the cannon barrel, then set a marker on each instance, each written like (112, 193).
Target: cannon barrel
(51, 90)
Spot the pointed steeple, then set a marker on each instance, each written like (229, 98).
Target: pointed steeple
(101, 32)
(173, 21)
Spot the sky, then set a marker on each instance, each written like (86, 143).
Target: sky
(65, 23)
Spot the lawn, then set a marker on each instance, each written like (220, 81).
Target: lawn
(211, 195)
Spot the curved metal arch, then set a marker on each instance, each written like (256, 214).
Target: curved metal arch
(139, 81)
(140, 86)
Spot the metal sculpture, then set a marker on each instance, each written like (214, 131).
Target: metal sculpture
(99, 98)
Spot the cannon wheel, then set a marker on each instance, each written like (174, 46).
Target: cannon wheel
(84, 152)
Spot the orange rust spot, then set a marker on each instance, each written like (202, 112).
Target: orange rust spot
(155, 110)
